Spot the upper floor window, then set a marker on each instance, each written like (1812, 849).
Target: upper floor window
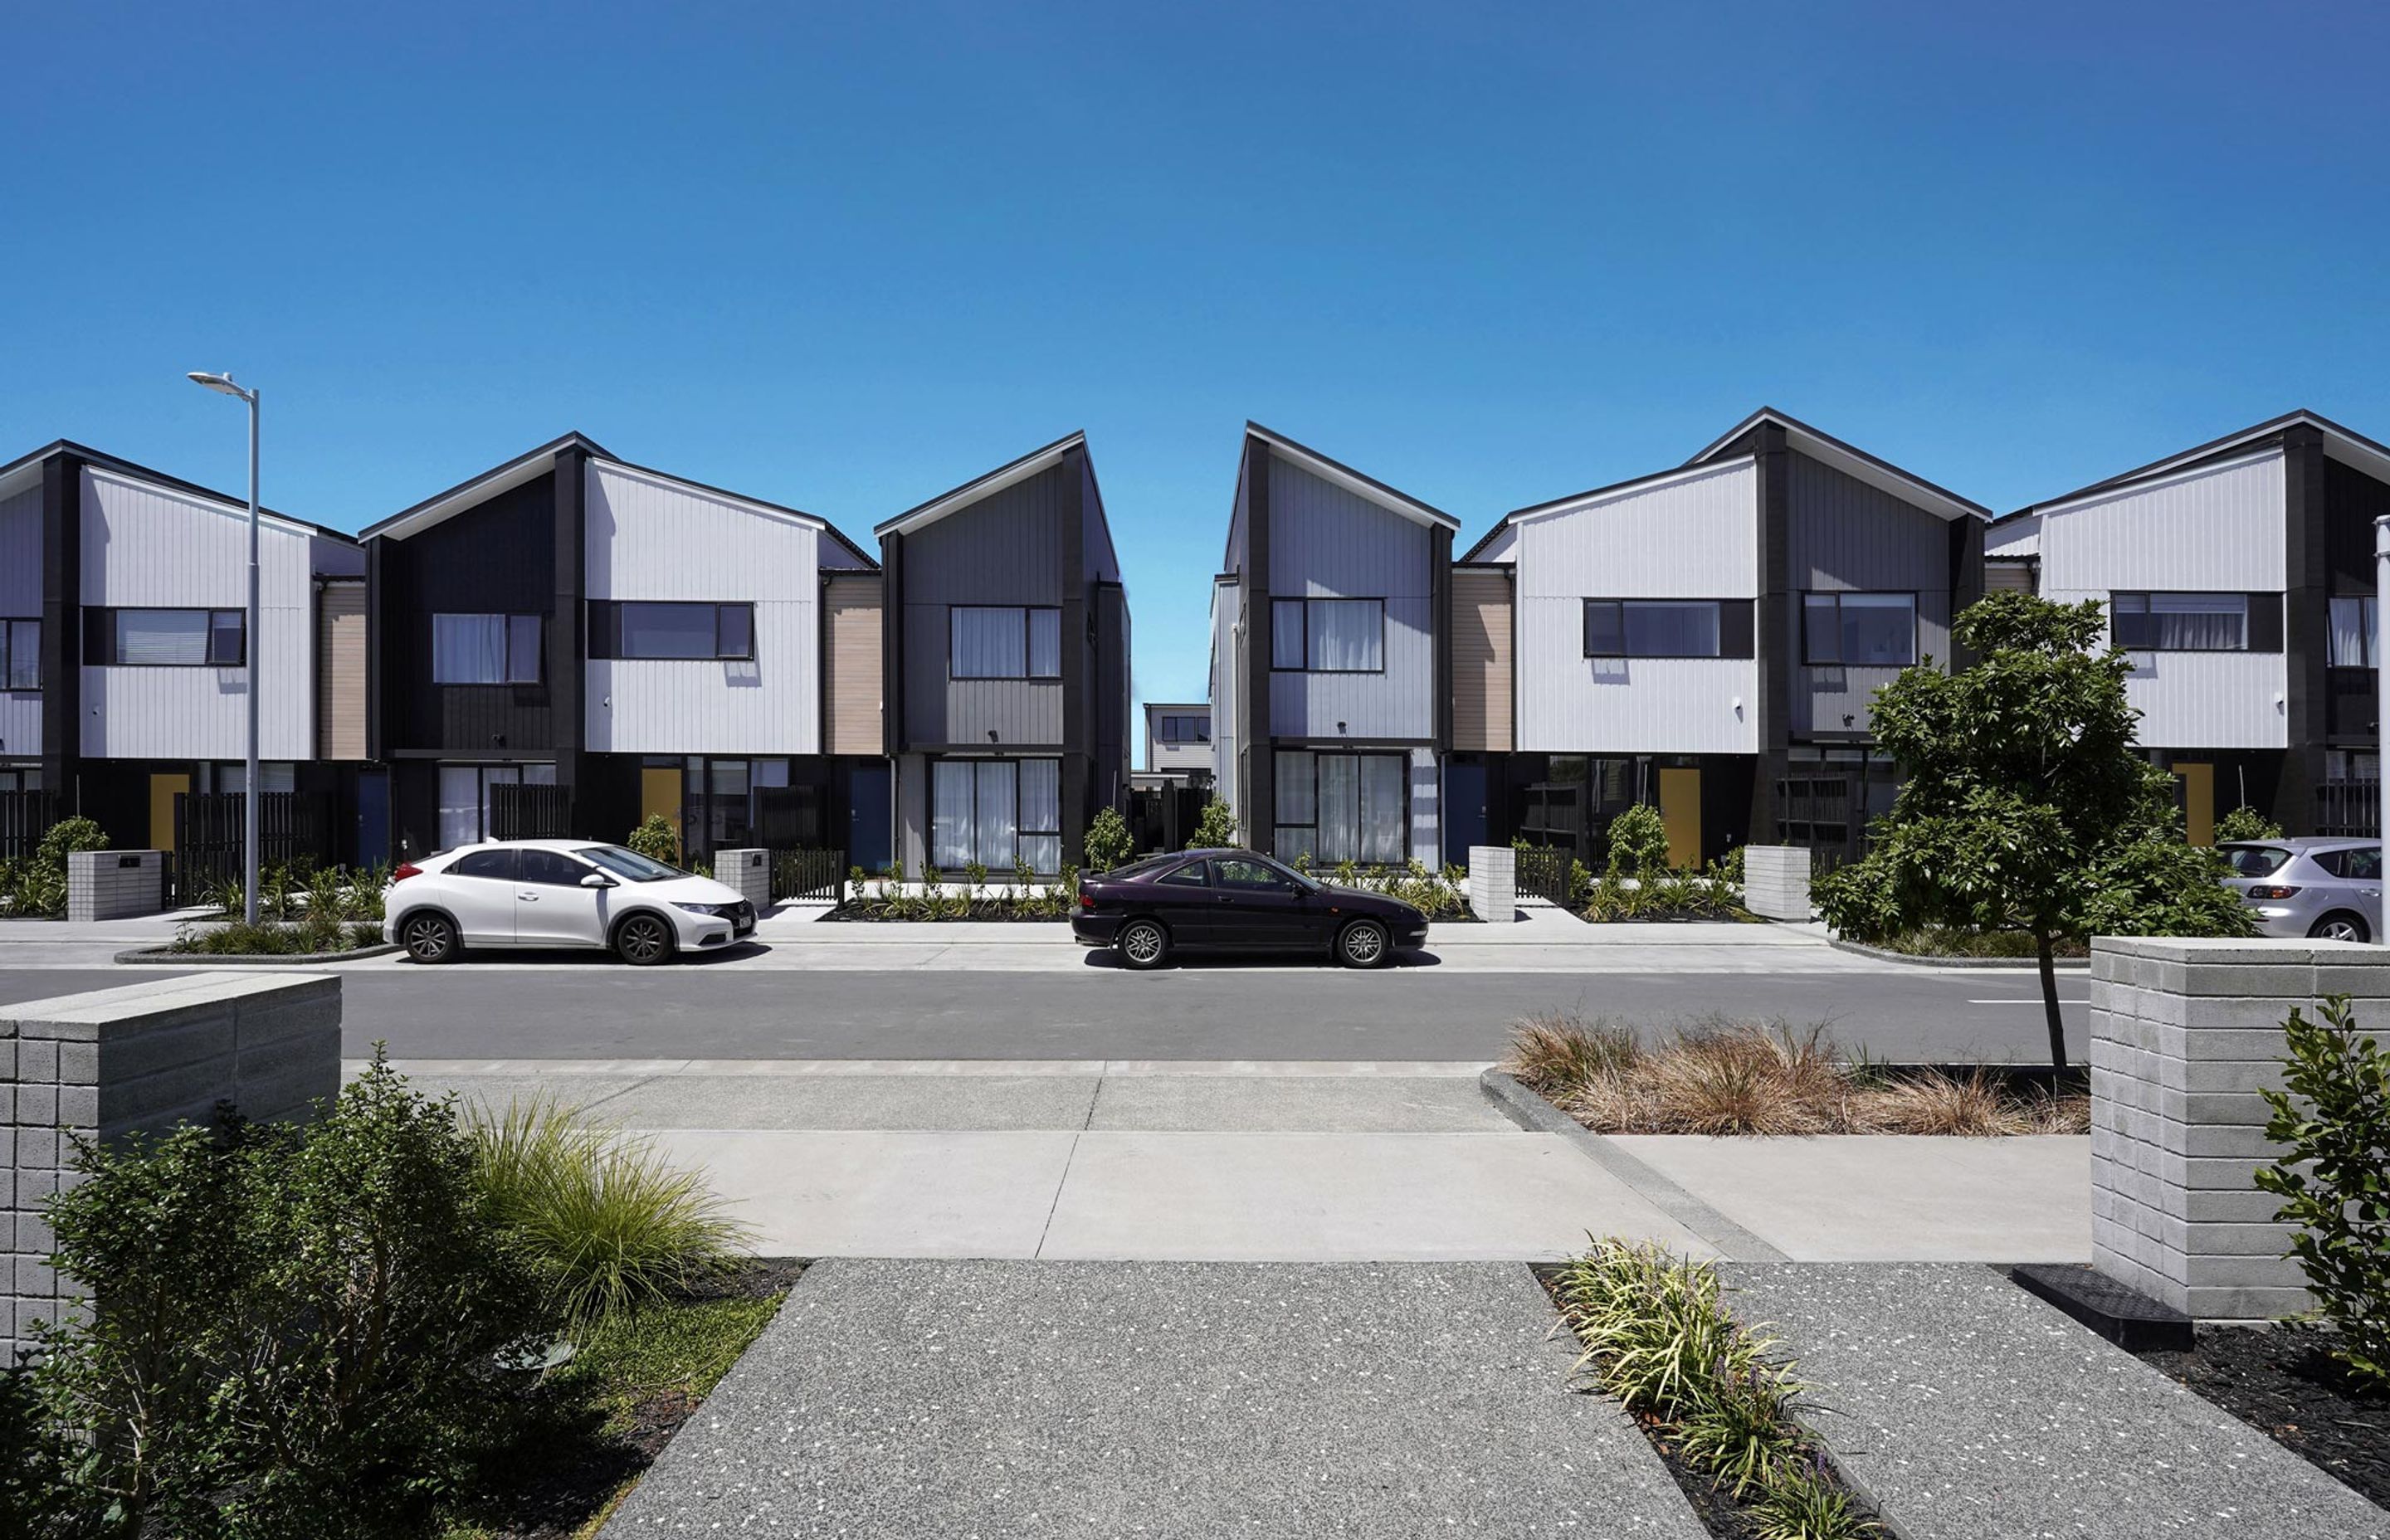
(1004, 641)
(20, 655)
(2179, 622)
(165, 638)
(1184, 729)
(2353, 631)
(1329, 636)
(486, 649)
(639, 628)
(1667, 628)
(1859, 629)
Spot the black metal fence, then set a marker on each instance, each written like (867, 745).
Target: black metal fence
(808, 874)
(2349, 809)
(1826, 816)
(521, 812)
(25, 817)
(1545, 874)
(294, 828)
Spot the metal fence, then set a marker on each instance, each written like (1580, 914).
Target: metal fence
(520, 812)
(1824, 814)
(2349, 809)
(1545, 874)
(25, 817)
(294, 828)
(808, 874)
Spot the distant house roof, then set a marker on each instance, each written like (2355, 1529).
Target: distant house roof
(2347, 445)
(26, 469)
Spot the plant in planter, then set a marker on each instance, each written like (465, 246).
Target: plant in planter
(2246, 823)
(1216, 827)
(1108, 843)
(657, 839)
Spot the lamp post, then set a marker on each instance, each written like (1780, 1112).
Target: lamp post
(222, 385)
(2381, 640)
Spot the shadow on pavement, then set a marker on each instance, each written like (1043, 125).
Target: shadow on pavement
(592, 958)
(1223, 962)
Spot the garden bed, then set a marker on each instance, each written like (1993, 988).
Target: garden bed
(2280, 1381)
(153, 955)
(948, 912)
(1941, 948)
(233, 942)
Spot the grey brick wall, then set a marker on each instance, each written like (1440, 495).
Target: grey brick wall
(749, 871)
(1494, 884)
(2184, 1035)
(1776, 881)
(143, 1056)
(114, 884)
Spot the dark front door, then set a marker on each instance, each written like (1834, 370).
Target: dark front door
(1260, 907)
(373, 816)
(869, 807)
(1464, 810)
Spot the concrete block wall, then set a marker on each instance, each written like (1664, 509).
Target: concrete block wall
(141, 1058)
(1776, 881)
(2184, 1036)
(1494, 884)
(115, 884)
(749, 871)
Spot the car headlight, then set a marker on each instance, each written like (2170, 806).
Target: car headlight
(716, 911)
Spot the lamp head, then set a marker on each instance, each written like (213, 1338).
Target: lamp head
(220, 383)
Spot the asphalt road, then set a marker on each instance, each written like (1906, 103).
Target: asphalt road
(1949, 1016)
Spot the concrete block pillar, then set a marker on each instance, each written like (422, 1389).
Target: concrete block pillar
(1494, 884)
(115, 884)
(1776, 881)
(2184, 1035)
(749, 871)
(141, 1059)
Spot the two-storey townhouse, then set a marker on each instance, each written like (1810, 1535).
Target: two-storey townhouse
(2239, 576)
(1178, 740)
(1706, 639)
(1007, 667)
(1331, 675)
(646, 643)
(125, 661)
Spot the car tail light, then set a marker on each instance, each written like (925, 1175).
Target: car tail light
(405, 870)
(1087, 899)
(2273, 892)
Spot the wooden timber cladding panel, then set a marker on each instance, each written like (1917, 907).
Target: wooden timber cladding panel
(1481, 659)
(852, 623)
(340, 671)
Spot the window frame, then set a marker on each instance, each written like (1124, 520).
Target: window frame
(606, 630)
(1621, 603)
(1020, 829)
(10, 653)
(1280, 827)
(1163, 733)
(505, 618)
(1028, 641)
(1310, 633)
(2148, 595)
(2369, 629)
(103, 641)
(1808, 658)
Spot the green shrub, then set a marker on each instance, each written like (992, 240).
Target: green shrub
(656, 838)
(1638, 842)
(2246, 823)
(608, 1222)
(1215, 828)
(2332, 1116)
(37, 886)
(274, 939)
(35, 1451)
(1108, 843)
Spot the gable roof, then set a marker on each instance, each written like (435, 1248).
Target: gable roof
(1012, 473)
(27, 468)
(1854, 462)
(1338, 474)
(1576, 499)
(2347, 445)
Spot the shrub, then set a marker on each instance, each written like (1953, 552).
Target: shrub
(38, 885)
(1108, 843)
(2332, 1116)
(1638, 842)
(2246, 823)
(656, 838)
(610, 1225)
(1215, 828)
(273, 939)
(33, 1456)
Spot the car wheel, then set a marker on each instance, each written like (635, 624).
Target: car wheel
(1144, 944)
(429, 938)
(2340, 926)
(643, 940)
(1362, 944)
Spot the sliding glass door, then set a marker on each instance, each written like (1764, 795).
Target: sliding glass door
(999, 813)
(1342, 807)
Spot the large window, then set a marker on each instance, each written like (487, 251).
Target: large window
(1172, 728)
(1859, 629)
(486, 649)
(165, 638)
(1329, 636)
(465, 797)
(1004, 641)
(999, 813)
(638, 628)
(2353, 629)
(1662, 628)
(20, 655)
(2179, 622)
(1341, 807)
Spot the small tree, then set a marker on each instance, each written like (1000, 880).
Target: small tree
(1217, 829)
(1639, 844)
(2333, 1117)
(657, 839)
(2246, 823)
(2026, 806)
(1108, 842)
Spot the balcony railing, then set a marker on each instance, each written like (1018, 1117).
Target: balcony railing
(2349, 809)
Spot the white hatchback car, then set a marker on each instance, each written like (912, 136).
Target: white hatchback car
(558, 893)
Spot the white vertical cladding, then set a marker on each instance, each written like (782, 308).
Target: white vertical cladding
(651, 537)
(1328, 543)
(148, 546)
(2220, 528)
(1691, 535)
(1427, 808)
(20, 598)
(1227, 684)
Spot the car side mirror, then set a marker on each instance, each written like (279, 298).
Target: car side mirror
(597, 880)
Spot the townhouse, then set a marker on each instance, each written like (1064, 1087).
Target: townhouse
(643, 643)
(1706, 639)
(1332, 672)
(2239, 574)
(1005, 694)
(1177, 741)
(125, 658)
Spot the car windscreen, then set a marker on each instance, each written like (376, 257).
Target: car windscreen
(628, 863)
(2256, 860)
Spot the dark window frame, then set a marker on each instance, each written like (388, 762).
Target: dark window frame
(2249, 618)
(1916, 623)
(1308, 651)
(1733, 629)
(606, 630)
(10, 653)
(507, 666)
(1021, 827)
(101, 643)
(1277, 826)
(2368, 633)
(1163, 733)
(1028, 650)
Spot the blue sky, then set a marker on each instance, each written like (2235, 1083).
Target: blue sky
(845, 258)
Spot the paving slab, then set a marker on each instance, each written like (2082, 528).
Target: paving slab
(1967, 1409)
(1420, 1104)
(1160, 1400)
(1888, 1196)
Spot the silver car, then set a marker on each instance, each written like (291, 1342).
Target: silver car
(2329, 890)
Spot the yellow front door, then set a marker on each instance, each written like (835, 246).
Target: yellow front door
(660, 795)
(161, 809)
(1681, 811)
(2198, 802)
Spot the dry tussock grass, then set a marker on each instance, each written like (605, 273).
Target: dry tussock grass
(1718, 1076)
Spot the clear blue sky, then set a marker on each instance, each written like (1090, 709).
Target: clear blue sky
(846, 257)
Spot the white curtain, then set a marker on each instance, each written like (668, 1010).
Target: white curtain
(1347, 634)
(999, 805)
(1287, 629)
(460, 805)
(1340, 808)
(2352, 633)
(469, 650)
(162, 636)
(1041, 814)
(988, 643)
(951, 824)
(1044, 644)
(1381, 809)
(2199, 622)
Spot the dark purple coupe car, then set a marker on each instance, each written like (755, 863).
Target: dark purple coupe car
(1236, 901)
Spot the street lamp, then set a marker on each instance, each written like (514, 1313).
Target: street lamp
(2381, 640)
(222, 384)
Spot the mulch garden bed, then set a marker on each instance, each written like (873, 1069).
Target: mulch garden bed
(979, 912)
(2280, 1381)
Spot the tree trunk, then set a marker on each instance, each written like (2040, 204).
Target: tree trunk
(2041, 944)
